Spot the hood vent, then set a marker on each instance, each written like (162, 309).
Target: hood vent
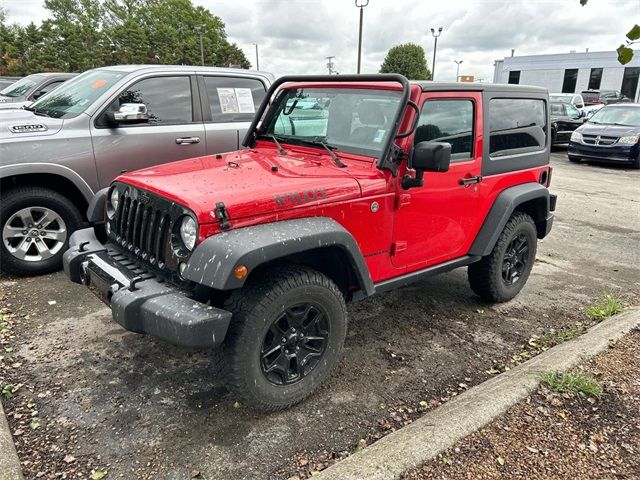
(29, 128)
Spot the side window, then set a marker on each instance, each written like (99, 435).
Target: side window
(168, 99)
(516, 125)
(572, 111)
(233, 99)
(448, 121)
(557, 109)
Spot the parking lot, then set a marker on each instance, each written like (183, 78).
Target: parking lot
(136, 407)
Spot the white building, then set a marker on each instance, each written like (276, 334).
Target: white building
(572, 72)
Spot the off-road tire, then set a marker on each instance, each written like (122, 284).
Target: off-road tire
(485, 276)
(574, 159)
(255, 308)
(16, 199)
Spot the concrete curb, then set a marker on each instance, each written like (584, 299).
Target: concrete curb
(418, 442)
(9, 463)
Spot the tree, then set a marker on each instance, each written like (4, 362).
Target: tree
(407, 59)
(83, 34)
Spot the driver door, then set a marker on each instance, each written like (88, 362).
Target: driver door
(436, 222)
(175, 130)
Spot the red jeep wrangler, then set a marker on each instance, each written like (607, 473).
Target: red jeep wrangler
(348, 186)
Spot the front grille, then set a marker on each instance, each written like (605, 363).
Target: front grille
(142, 228)
(599, 140)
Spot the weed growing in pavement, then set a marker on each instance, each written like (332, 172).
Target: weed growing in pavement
(607, 305)
(574, 383)
(563, 335)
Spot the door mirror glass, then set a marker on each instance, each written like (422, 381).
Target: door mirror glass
(431, 156)
(130, 113)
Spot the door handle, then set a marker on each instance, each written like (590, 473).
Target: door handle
(187, 140)
(470, 180)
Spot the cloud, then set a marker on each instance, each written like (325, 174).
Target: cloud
(295, 36)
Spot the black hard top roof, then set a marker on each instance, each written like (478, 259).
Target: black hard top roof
(428, 86)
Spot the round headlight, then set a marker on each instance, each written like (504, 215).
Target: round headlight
(115, 199)
(188, 232)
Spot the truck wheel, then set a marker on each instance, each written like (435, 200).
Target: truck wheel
(36, 224)
(500, 276)
(574, 159)
(285, 337)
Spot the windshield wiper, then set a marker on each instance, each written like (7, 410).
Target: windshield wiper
(281, 150)
(329, 149)
(35, 111)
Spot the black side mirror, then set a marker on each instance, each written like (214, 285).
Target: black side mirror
(427, 157)
(38, 94)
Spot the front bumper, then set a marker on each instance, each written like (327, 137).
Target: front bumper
(604, 153)
(140, 302)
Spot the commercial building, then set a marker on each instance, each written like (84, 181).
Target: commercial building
(572, 72)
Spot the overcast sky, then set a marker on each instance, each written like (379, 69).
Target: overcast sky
(294, 36)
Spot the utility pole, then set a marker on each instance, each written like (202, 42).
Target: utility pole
(257, 58)
(330, 63)
(200, 30)
(458, 62)
(360, 4)
(435, 47)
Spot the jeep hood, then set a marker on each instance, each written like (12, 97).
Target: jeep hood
(248, 182)
(17, 123)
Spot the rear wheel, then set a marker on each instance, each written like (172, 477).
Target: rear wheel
(285, 337)
(36, 224)
(500, 276)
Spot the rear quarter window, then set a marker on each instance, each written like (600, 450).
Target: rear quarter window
(516, 125)
(233, 99)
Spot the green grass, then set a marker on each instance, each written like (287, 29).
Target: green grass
(563, 335)
(607, 305)
(574, 383)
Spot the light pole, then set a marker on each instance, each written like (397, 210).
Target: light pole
(435, 36)
(360, 4)
(257, 58)
(458, 62)
(330, 63)
(200, 30)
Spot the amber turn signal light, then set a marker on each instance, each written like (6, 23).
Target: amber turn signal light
(240, 271)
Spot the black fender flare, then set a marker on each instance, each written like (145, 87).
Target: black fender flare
(502, 209)
(213, 261)
(95, 211)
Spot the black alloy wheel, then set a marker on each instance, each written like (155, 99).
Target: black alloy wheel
(294, 344)
(515, 260)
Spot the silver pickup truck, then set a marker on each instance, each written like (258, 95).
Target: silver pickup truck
(58, 151)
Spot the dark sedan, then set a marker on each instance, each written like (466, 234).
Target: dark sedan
(612, 134)
(565, 118)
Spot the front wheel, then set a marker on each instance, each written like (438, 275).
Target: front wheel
(285, 338)
(36, 224)
(636, 163)
(500, 276)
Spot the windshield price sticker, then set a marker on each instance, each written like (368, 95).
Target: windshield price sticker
(236, 100)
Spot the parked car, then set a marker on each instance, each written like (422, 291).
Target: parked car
(29, 89)
(603, 97)
(611, 135)
(6, 81)
(574, 99)
(56, 153)
(565, 118)
(381, 191)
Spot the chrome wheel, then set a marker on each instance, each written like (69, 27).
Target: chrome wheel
(34, 234)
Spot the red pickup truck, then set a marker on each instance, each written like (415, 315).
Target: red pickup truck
(348, 186)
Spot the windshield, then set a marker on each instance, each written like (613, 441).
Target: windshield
(349, 120)
(20, 88)
(73, 97)
(629, 116)
(562, 98)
